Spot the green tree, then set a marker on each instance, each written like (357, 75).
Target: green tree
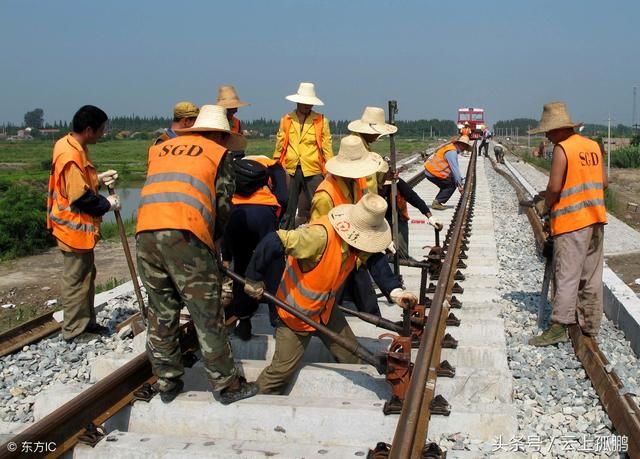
(34, 118)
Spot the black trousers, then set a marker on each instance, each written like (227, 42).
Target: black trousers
(447, 188)
(358, 287)
(301, 190)
(484, 145)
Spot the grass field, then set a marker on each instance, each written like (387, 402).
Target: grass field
(31, 160)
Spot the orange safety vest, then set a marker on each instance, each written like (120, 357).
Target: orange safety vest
(330, 186)
(70, 226)
(318, 125)
(263, 197)
(313, 292)
(401, 202)
(179, 192)
(437, 164)
(581, 202)
(235, 126)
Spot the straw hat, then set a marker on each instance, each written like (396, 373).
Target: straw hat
(554, 116)
(228, 97)
(464, 140)
(210, 118)
(362, 225)
(353, 159)
(185, 109)
(306, 95)
(372, 122)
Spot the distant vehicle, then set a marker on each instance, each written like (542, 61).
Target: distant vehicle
(475, 118)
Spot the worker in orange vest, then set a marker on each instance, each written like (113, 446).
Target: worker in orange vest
(320, 257)
(184, 115)
(575, 197)
(442, 169)
(228, 98)
(259, 197)
(346, 183)
(184, 206)
(466, 129)
(406, 195)
(74, 211)
(303, 146)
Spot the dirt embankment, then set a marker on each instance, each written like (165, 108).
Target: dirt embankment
(30, 282)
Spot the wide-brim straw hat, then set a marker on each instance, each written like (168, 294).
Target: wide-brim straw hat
(210, 118)
(228, 97)
(372, 122)
(353, 159)
(306, 95)
(464, 140)
(554, 116)
(362, 225)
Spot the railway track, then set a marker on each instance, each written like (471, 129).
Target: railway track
(27, 333)
(333, 410)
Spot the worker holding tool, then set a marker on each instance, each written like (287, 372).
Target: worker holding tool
(303, 146)
(74, 211)
(184, 115)
(184, 206)
(320, 256)
(406, 195)
(442, 169)
(575, 197)
(228, 98)
(260, 195)
(346, 183)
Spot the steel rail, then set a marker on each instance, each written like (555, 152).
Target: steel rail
(97, 404)
(28, 332)
(622, 410)
(411, 430)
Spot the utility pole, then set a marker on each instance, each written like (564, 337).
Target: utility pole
(528, 137)
(609, 147)
(634, 125)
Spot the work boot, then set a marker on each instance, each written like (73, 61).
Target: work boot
(82, 338)
(98, 330)
(170, 395)
(246, 390)
(437, 206)
(243, 329)
(557, 333)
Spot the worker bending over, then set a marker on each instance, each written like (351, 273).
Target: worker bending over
(320, 256)
(442, 169)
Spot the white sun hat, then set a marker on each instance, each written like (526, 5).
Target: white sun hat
(362, 225)
(210, 118)
(353, 159)
(372, 122)
(306, 95)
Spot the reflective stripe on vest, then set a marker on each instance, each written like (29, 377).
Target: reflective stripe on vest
(313, 292)
(68, 224)
(331, 186)
(437, 165)
(179, 192)
(581, 202)
(318, 126)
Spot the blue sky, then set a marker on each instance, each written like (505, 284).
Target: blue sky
(141, 57)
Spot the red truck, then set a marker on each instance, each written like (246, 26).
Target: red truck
(475, 118)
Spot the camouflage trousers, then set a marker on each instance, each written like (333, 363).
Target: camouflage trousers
(179, 270)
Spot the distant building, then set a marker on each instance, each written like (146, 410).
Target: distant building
(616, 142)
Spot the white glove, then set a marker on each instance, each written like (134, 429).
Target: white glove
(392, 248)
(403, 298)
(108, 178)
(114, 200)
(435, 223)
(254, 289)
